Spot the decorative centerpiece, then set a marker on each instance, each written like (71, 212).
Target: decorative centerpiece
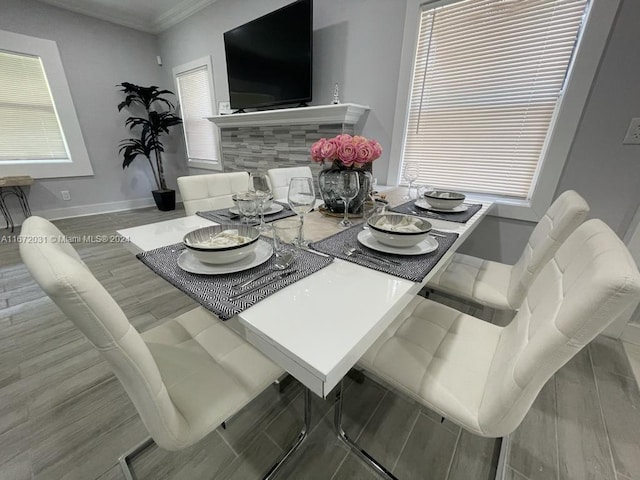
(345, 152)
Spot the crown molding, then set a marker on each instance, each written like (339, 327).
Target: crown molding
(159, 23)
(179, 12)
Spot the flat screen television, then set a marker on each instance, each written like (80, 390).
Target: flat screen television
(269, 59)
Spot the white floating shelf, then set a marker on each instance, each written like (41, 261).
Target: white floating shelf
(348, 113)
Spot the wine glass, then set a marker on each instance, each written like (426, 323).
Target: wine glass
(411, 173)
(259, 185)
(301, 198)
(347, 187)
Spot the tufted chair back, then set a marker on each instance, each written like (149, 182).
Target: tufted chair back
(280, 178)
(565, 214)
(588, 283)
(60, 272)
(201, 193)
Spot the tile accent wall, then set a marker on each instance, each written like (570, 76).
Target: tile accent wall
(266, 147)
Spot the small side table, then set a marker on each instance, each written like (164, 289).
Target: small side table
(13, 186)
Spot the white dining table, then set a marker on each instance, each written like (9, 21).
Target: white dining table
(317, 328)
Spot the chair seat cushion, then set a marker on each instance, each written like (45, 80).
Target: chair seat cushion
(438, 356)
(482, 281)
(209, 371)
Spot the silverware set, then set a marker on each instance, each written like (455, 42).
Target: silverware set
(349, 252)
(257, 287)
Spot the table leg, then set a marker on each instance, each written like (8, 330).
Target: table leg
(273, 471)
(354, 447)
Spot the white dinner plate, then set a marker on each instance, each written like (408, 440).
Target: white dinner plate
(428, 245)
(189, 263)
(422, 203)
(274, 208)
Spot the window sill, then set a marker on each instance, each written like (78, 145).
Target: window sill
(508, 208)
(205, 165)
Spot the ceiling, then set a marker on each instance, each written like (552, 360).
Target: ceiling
(152, 16)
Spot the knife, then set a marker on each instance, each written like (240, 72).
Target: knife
(258, 287)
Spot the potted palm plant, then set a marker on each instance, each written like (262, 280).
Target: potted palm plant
(148, 129)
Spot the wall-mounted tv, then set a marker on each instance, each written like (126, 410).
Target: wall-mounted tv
(269, 59)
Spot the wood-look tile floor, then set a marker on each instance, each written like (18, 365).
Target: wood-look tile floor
(64, 415)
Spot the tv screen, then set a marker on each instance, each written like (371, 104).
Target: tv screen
(269, 59)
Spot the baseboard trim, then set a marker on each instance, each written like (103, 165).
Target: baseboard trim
(94, 209)
(97, 208)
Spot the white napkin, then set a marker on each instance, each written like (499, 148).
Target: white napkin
(407, 224)
(226, 238)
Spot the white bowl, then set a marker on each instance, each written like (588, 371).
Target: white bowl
(443, 199)
(196, 242)
(398, 239)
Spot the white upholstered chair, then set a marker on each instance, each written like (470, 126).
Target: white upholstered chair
(201, 193)
(502, 286)
(185, 377)
(280, 178)
(484, 377)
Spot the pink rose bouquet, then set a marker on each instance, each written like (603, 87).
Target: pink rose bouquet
(350, 151)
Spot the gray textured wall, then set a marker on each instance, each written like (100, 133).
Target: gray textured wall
(262, 148)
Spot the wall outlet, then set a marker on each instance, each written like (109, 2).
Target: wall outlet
(633, 133)
(65, 195)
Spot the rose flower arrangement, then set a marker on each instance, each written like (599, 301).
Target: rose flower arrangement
(346, 151)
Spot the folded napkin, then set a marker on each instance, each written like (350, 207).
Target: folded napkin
(406, 224)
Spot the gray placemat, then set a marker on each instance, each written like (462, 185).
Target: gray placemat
(213, 291)
(225, 216)
(411, 267)
(460, 217)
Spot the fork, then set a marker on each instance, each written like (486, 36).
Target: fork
(355, 251)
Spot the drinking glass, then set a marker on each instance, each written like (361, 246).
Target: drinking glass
(411, 173)
(302, 198)
(247, 206)
(286, 232)
(347, 187)
(259, 185)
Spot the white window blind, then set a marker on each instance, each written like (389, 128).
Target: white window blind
(196, 102)
(488, 75)
(30, 130)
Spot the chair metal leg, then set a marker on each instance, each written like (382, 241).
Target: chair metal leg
(501, 469)
(126, 458)
(283, 382)
(355, 448)
(273, 471)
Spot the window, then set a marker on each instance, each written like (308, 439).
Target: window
(40, 134)
(195, 94)
(491, 96)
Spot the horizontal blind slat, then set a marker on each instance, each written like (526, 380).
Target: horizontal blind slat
(486, 82)
(30, 126)
(195, 103)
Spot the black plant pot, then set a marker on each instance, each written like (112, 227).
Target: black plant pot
(165, 199)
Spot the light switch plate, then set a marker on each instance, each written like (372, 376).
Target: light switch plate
(633, 133)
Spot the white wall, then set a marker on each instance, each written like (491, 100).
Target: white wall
(96, 56)
(357, 43)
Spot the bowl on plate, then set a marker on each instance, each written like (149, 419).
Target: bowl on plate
(222, 244)
(398, 230)
(444, 199)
